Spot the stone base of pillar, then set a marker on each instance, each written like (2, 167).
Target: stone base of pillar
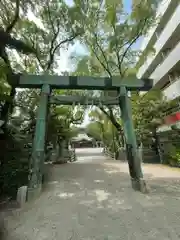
(62, 160)
(140, 185)
(21, 195)
(33, 193)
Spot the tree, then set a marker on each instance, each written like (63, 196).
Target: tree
(54, 27)
(100, 119)
(101, 128)
(148, 114)
(111, 37)
(93, 130)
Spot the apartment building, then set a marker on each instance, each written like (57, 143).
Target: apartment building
(163, 66)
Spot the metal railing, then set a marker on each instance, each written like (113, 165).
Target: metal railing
(108, 153)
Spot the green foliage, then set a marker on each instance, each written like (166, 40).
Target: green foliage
(111, 34)
(47, 26)
(93, 130)
(14, 162)
(148, 112)
(102, 129)
(174, 156)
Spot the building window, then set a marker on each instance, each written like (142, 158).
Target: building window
(174, 76)
(166, 52)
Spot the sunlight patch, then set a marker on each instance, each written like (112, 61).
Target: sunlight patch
(125, 207)
(148, 201)
(98, 181)
(87, 202)
(76, 183)
(101, 195)
(150, 204)
(116, 204)
(53, 182)
(65, 195)
(111, 171)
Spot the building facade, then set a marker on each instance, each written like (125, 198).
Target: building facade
(83, 141)
(163, 64)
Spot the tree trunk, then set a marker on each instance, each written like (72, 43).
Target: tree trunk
(61, 156)
(156, 142)
(8, 108)
(60, 149)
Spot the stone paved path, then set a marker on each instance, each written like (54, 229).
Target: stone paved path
(93, 199)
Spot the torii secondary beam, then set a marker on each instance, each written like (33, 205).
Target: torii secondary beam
(69, 100)
(90, 83)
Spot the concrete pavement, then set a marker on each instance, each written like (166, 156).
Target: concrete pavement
(93, 199)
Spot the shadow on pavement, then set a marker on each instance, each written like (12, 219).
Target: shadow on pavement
(160, 185)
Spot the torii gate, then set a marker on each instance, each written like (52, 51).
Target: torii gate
(48, 82)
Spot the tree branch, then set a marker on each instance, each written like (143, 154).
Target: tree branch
(51, 57)
(111, 117)
(5, 58)
(7, 40)
(53, 46)
(50, 19)
(117, 50)
(106, 67)
(52, 54)
(76, 120)
(140, 30)
(16, 17)
(102, 64)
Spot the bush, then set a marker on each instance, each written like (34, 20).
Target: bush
(175, 157)
(14, 166)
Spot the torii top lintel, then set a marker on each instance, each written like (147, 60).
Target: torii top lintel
(76, 82)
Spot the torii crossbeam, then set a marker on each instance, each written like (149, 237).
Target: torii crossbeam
(75, 82)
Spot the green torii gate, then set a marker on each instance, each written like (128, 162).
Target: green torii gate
(46, 83)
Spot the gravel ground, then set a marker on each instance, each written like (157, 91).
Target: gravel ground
(93, 199)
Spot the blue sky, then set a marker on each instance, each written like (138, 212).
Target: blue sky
(127, 4)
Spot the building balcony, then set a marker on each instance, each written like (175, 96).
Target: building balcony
(173, 91)
(167, 39)
(169, 65)
(163, 7)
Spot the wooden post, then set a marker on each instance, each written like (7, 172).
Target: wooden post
(134, 161)
(38, 149)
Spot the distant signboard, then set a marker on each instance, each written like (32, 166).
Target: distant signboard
(172, 118)
(170, 122)
(166, 128)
